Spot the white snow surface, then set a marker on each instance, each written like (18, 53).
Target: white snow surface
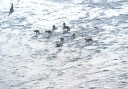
(28, 61)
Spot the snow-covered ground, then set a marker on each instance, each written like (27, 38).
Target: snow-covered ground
(28, 61)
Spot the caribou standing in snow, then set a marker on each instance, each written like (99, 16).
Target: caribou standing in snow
(50, 32)
(54, 27)
(66, 27)
(60, 43)
(37, 32)
(88, 40)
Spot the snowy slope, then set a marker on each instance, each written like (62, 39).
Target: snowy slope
(28, 61)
